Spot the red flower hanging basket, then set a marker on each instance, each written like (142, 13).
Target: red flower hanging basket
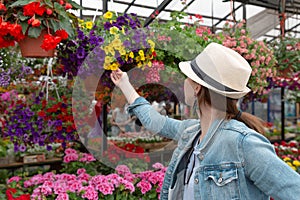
(31, 47)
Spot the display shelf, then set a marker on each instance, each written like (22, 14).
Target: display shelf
(15, 165)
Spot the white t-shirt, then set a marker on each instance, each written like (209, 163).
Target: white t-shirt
(194, 163)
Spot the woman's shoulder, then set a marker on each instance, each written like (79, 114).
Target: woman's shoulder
(238, 127)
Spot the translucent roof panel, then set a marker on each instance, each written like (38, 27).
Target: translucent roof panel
(214, 12)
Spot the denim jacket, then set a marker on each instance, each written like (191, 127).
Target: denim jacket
(235, 161)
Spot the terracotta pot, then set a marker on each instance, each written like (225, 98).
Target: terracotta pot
(31, 47)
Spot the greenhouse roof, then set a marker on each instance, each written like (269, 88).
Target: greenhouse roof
(262, 16)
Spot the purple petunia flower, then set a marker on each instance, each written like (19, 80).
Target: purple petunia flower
(22, 148)
(81, 53)
(16, 148)
(94, 40)
(80, 34)
(49, 148)
(107, 26)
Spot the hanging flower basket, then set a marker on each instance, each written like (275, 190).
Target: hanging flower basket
(31, 47)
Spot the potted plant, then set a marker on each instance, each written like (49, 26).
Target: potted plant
(27, 21)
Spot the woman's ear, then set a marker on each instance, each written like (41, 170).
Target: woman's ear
(197, 88)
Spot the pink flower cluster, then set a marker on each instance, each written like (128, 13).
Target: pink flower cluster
(81, 184)
(153, 74)
(71, 155)
(257, 53)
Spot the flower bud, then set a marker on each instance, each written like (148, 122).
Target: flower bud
(49, 11)
(68, 6)
(30, 20)
(36, 23)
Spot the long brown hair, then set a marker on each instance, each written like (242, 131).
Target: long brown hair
(229, 106)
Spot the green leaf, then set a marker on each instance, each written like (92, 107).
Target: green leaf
(66, 25)
(48, 3)
(60, 10)
(24, 27)
(21, 3)
(54, 25)
(34, 32)
(22, 17)
(75, 5)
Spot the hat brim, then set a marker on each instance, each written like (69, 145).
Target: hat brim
(186, 68)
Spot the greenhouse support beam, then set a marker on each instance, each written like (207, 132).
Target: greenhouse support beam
(187, 5)
(165, 10)
(161, 7)
(80, 11)
(282, 29)
(105, 6)
(224, 18)
(129, 5)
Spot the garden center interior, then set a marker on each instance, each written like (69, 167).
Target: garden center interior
(62, 118)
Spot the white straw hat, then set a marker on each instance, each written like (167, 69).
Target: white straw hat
(220, 69)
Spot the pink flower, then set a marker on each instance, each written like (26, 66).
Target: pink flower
(74, 186)
(70, 151)
(106, 188)
(158, 166)
(62, 196)
(70, 157)
(87, 158)
(81, 171)
(129, 186)
(90, 193)
(14, 178)
(145, 186)
(122, 169)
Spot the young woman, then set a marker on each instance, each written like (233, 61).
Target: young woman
(223, 155)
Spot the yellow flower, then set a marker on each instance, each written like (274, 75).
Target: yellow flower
(141, 53)
(143, 58)
(108, 15)
(106, 66)
(89, 25)
(137, 58)
(131, 55)
(149, 64)
(122, 51)
(109, 49)
(296, 163)
(151, 43)
(139, 64)
(107, 59)
(114, 66)
(116, 42)
(152, 50)
(287, 159)
(123, 30)
(113, 30)
(106, 49)
(118, 48)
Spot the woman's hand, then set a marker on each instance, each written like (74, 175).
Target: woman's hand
(119, 77)
(121, 80)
